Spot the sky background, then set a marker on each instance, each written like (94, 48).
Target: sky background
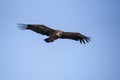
(25, 56)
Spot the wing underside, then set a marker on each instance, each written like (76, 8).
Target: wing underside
(42, 29)
(75, 36)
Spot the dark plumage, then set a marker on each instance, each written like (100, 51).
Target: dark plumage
(54, 34)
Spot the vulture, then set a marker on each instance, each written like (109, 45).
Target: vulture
(54, 34)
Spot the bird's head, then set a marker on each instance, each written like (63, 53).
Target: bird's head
(59, 33)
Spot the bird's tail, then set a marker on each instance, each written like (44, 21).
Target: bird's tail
(22, 26)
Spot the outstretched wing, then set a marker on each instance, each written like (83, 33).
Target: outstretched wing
(42, 29)
(75, 36)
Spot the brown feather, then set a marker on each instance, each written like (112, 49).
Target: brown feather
(75, 36)
(42, 29)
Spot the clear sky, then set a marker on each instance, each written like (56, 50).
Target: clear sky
(25, 56)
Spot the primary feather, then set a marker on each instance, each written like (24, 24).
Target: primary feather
(75, 36)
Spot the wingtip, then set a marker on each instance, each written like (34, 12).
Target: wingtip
(22, 26)
(84, 40)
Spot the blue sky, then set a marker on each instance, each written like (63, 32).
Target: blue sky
(25, 56)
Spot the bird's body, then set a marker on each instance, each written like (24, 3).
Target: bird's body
(54, 34)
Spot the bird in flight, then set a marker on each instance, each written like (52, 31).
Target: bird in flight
(54, 34)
